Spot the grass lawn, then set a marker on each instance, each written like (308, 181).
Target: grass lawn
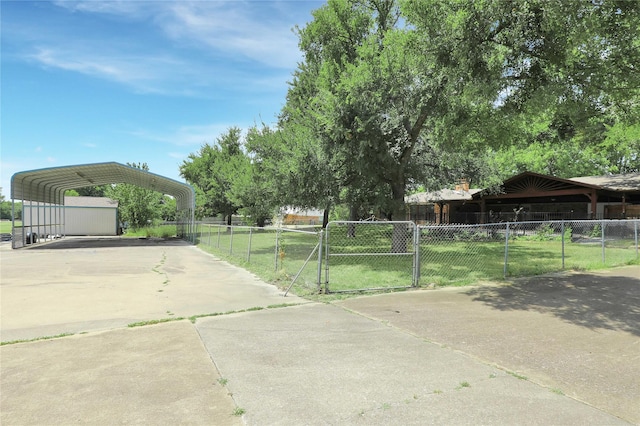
(161, 231)
(461, 263)
(5, 226)
(255, 250)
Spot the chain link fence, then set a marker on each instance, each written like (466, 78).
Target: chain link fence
(274, 254)
(369, 255)
(359, 256)
(461, 254)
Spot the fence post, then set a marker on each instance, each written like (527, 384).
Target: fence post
(277, 247)
(636, 236)
(562, 230)
(219, 236)
(326, 259)
(231, 241)
(249, 249)
(320, 259)
(416, 255)
(602, 233)
(506, 250)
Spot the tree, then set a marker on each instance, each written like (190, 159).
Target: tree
(211, 171)
(92, 191)
(168, 208)
(136, 206)
(380, 97)
(292, 167)
(621, 147)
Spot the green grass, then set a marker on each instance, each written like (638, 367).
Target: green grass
(160, 231)
(460, 263)
(5, 226)
(238, 412)
(261, 260)
(57, 336)
(442, 263)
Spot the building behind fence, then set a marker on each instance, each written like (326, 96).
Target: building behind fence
(357, 256)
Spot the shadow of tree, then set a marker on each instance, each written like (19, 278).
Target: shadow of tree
(595, 301)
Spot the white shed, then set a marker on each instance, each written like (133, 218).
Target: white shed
(96, 216)
(90, 216)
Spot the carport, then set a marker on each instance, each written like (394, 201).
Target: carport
(43, 190)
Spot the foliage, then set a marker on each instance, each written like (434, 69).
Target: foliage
(228, 180)
(563, 75)
(93, 191)
(6, 208)
(168, 208)
(162, 231)
(393, 95)
(596, 232)
(138, 207)
(211, 172)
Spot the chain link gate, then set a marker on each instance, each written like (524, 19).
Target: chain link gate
(362, 256)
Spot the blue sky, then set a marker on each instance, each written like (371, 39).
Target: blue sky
(138, 81)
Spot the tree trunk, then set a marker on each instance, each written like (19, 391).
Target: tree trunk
(399, 237)
(325, 216)
(353, 216)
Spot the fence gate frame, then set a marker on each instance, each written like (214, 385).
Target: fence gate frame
(414, 253)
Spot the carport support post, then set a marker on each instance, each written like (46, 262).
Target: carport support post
(13, 224)
(506, 250)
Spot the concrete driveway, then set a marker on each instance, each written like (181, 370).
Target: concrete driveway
(88, 284)
(563, 350)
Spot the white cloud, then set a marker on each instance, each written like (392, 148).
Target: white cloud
(259, 31)
(185, 48)
(90, 145)
(238, 29)
(113, 7)
(193, 136)
(146, 74)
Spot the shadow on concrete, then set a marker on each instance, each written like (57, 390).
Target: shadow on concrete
(107, 242)
(594, 301)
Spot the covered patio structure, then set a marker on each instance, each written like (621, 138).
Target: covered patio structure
(42, 192)
(535, 197)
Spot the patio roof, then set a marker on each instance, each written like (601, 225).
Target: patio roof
(624, 182)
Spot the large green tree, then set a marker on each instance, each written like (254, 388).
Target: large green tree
(386, 83)
(564, 76)
(228, 180)
(379, 97)
(212, 171)
(137, 206)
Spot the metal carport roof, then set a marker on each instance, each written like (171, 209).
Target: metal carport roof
(48, 185)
